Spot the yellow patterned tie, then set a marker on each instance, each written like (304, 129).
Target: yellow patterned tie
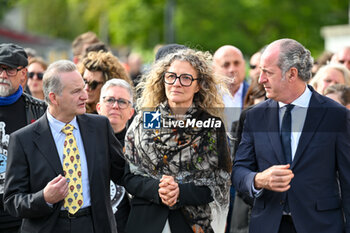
(72, 171)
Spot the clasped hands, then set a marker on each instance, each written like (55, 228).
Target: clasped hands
(276, 178)
(168, 190)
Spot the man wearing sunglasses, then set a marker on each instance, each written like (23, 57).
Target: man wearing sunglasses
(17, 109)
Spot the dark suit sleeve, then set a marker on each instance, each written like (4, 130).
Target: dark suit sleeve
(116, 156)
(141, 186)
(245, 165)
(343, 159)
(191, 194)
(18, 199)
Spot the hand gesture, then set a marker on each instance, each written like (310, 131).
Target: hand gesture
(56, 190)
(276, 178)
(168, 190)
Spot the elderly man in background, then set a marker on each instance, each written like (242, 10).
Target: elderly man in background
(229, 62)
(17, 109)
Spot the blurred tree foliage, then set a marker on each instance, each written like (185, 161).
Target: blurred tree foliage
(202, 24)
(5, 5)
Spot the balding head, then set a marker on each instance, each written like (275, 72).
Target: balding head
(229, 61)
(343, 56)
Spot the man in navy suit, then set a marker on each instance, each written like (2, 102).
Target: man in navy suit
(311, 192)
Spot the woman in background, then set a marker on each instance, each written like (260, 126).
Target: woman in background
(36, 69)
(96, 69)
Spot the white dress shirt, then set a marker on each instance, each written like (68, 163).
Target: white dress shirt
(298, 114)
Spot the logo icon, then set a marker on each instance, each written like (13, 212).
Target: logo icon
(151, 120)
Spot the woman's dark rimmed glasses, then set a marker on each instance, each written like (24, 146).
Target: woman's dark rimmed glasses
(10, 71)
(93, 84)
(185, 79)
(40, 75)
(122, 103)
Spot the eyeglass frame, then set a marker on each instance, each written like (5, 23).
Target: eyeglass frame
(93, 84)
(128, 102)
(178, 77)
(40, 75)
(6, 69)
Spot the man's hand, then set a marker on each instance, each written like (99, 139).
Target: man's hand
(276, 178)
(56, 190)
(168, 190)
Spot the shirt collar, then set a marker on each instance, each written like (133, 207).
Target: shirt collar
(302, 101)
(57, 125)
(240, 90)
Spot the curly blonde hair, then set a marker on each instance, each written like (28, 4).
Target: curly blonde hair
(207, 98)
(107, 63)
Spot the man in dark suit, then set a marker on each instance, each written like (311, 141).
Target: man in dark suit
(229, 62)
(35, 186)
(294, 152)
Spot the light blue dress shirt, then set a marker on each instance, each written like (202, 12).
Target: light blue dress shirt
(59, 137)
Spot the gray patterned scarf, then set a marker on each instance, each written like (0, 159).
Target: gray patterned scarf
(190, 155)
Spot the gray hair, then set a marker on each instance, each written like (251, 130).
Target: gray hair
(116, 82)
(52, 81)
(294, 54)
(341, 68)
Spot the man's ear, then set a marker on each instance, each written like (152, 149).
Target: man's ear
(292, 74)
(132, 111)
(23, 77)
(98, 107)
(52, 97)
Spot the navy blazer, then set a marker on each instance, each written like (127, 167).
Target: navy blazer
(33, 161)
(321, 160)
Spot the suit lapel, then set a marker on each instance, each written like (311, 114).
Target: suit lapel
(87, 133)
(272, 121)
(46, 144)
(313, 119)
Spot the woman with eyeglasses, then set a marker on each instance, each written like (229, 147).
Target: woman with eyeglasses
(36, 69)
(96, 69)
(179, 165)
(116, 103)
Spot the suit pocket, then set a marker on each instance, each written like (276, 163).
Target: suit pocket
(328, 204)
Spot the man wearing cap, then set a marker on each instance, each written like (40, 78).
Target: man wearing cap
(17, 109)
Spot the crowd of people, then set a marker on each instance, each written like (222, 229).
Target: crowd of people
(194, 143)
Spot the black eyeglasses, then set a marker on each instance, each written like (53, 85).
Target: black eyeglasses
(185, 79)
(39, 75)
(251, 66)
(122, 103)
(93, 84)
(10, 71)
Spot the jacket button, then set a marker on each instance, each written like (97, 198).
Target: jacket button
(281, 202)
